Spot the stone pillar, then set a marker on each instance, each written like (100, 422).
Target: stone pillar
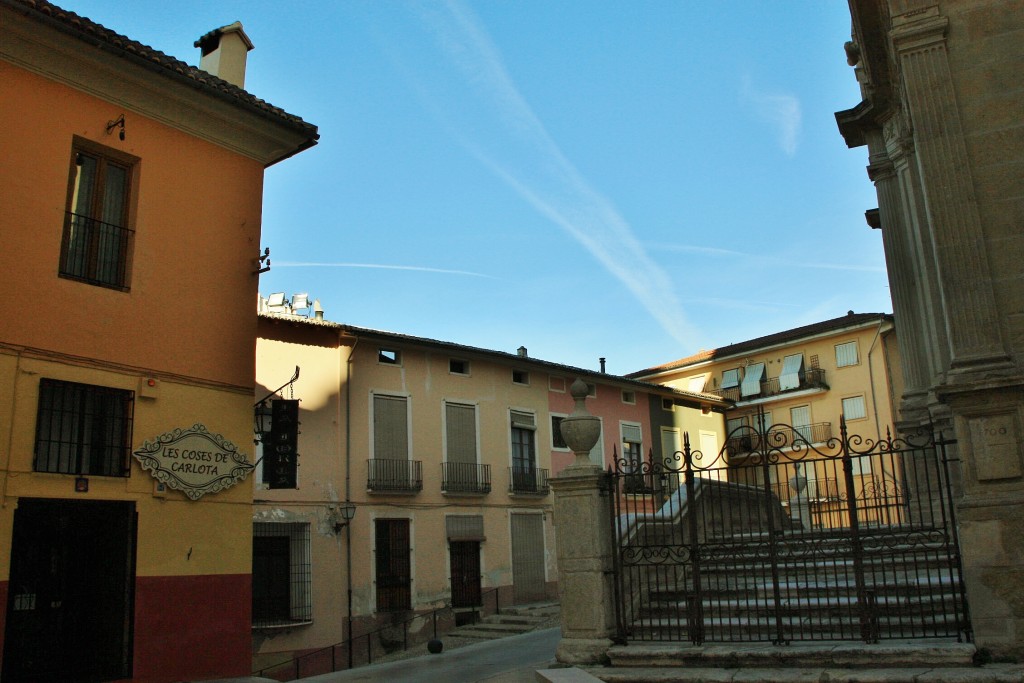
(583, 525)
(982, 388)
(965, 279)
(903, 279)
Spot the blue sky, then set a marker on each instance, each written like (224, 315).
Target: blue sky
(635, 180)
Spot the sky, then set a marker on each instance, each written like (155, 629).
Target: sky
(586, 178)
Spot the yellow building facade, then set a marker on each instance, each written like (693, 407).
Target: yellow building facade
(131, 234)
(789, 391)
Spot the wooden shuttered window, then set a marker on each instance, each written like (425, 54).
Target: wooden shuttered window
(390, 427)
(460, 431)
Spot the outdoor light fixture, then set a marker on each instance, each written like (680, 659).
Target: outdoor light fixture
(348, 511)
(261, 419)
(116, 123)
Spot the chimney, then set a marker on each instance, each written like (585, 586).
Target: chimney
(521, 351)
(602, 365)
(318, 310)
(224, 51)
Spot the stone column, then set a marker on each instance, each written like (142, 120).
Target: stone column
(982, 388)
(965, 279)
(903, 279)
(583, 525)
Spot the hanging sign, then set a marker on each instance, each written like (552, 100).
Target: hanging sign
(194, 461)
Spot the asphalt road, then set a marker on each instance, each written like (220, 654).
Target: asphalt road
(504, 660)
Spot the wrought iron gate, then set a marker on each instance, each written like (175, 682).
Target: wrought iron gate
(786, 535)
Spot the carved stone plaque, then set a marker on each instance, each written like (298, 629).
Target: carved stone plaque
(994, 442)
(194, 461)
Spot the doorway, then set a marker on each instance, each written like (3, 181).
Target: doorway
(465, 561)
(528, 575)
(70, 601)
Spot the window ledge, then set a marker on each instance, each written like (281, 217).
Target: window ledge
(281, 625)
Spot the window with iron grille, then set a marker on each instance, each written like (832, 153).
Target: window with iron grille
(97, 240)
(394, 569)
(83, 429)
(281, 574)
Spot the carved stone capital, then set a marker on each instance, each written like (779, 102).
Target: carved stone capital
(919, 29)
(899, 136)
(881, 168)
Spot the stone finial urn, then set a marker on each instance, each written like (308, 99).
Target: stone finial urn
(798, 481)
(580, 430)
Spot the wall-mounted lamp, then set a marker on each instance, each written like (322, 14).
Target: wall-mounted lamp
(116, 123)
(347, 511)
(261, 419)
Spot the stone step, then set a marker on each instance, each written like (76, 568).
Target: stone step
(934, 603)
(931, 653)
(789, 588)
(735, 629)
(497, 627)
(987, 674)
(541, 609)
(514, 619)
(890, 564)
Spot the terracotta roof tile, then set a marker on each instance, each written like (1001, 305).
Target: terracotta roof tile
(87, 30)
(849, 320)
(505, 356)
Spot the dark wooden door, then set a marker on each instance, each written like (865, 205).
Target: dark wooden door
(465, 561)
(69, 607)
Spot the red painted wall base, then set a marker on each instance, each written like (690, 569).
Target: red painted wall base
(192, 627)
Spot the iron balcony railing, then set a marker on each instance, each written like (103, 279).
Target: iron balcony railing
(813, 490)
(94, 251)
(465, 477)
(812, 378)
(394, 475)
(528, 480)
(746, 440)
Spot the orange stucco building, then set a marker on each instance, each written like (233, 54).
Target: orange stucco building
(131, 227)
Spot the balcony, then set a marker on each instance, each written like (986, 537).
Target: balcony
(465, 478)
(816, 490)
(812, 378)
(394, 476)
(528, 481)
(746, 440)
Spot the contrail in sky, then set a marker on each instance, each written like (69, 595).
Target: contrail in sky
(779, 109)
(423, 269)
(534, 166)
(765, 259)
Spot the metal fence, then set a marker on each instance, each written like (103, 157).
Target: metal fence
(851, 539)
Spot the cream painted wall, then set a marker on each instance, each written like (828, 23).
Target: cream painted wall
(339, 375)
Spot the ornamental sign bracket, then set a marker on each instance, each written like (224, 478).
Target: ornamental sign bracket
(194, 461)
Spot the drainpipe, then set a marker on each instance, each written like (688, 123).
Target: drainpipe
(348, 491)
(871, 380)
(10, 434)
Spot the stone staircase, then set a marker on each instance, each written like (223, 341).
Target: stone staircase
(512, 621)
(889, 662)
(911, 590)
